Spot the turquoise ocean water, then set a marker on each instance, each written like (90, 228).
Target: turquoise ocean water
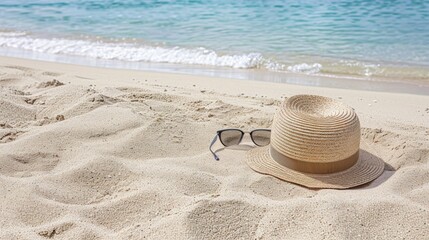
(343, 38)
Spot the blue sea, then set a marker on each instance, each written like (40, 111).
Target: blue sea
(371, 39)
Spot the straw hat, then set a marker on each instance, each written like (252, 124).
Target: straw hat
(315, 143)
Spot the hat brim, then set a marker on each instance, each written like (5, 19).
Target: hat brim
(367, 168)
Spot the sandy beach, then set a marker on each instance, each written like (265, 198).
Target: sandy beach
(97, 153)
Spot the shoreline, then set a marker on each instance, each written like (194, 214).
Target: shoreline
(342, 82)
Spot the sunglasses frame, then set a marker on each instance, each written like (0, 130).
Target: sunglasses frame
(219, 132)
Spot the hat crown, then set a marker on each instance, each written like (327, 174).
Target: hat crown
(315, 129)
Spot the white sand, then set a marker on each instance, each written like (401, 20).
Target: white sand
(130, 160)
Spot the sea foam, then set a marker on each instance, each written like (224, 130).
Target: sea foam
(132, 52)
(145, 53)
(305, 68)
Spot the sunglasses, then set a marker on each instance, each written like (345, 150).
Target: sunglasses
(232, 136)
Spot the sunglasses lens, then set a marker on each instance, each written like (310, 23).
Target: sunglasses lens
(261, 137)
(230, 137)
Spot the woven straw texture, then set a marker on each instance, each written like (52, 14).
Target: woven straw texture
(316, 129)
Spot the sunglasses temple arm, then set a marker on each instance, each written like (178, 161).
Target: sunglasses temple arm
(210, 148)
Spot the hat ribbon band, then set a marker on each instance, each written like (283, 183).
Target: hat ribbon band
(312, 167)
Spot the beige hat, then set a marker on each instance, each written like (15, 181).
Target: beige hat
(315, 143)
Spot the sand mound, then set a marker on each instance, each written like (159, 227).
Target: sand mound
(96, 181)
(53, 83)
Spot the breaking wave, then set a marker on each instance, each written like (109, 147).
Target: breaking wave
(132, 52)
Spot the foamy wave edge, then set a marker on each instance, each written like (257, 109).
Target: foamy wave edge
(132, 52)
